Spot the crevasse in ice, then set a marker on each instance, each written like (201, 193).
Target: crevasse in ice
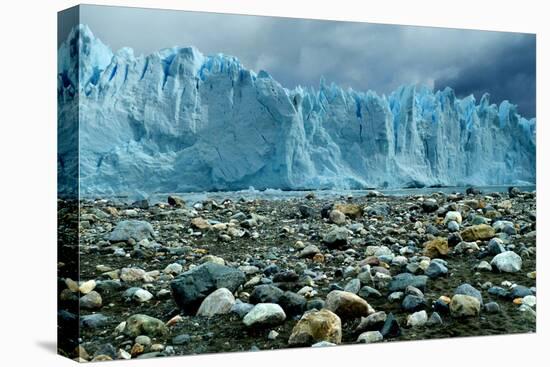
(177, 120)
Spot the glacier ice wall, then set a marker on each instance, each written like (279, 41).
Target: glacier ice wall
(176, 121)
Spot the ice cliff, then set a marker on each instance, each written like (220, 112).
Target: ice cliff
(177, 120)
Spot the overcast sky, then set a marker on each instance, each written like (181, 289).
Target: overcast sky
(358, 55)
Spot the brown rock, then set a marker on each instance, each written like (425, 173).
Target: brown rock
(347, 304)
(436, 247)
(200, 223)
(137, 349)
(317, 326)
(478, 232)
(350, 210)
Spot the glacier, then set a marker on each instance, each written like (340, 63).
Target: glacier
(180, 121)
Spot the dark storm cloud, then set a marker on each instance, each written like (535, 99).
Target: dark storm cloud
(358, 55)
(508, 72)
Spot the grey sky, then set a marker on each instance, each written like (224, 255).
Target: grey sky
(358, 55)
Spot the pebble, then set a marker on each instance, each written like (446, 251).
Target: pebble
(464, 306)
(265, 314)
(91, 301)
(370, 337)
(417, 319)
(218, 302)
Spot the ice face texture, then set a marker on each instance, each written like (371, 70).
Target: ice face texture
(177, 121)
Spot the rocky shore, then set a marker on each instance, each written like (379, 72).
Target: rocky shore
(179, 278)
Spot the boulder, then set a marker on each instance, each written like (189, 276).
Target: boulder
(317, 326)
(508, 262)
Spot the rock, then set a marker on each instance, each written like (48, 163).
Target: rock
(323, 344)
(391, 328)
(530, 301)
(347, 305)
(285, 276)
(353, 286)
(453, 216)
(140, 324)
(93, 321)
(218, 302)
(417, 319)
(241, 308)
(413, 303)
(436, 247)
(464, 306)
(191, 287)
(200, 223)
(132, 274)
(469, 290)
(436, 269)
(141, 295)
(492, 307)
(306, 211)
(143, 340)
(430, 205)
(496, 246)
(317, 326)
(91, 301)
(265, 314)
(370, 337)
(435, 319)
(272, 335)
(453, 226)
(351, 210)
(87, 287)
(293, 304)
(366, 292)
(266, 293)
(484, 266)
(477, 232)
(181, 339)
(132, 229)
(176, 201)
(401, 281)
(173, 269)
(374, 321)
(337, 217)
(309, 251)
(520, 291)
(508, 262)
(212, 259)
(337, 237)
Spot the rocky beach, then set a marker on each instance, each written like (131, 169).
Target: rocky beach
(239, 274)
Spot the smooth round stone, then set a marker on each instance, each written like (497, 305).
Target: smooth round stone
(218, 302)
(91, 301)
(141, 295)
(143, 340)
(87, 287)
(181, 339)
(453, 226)
(370, 337)
(492, 307)
(530, 301)
(508, 262)
(484, 266)
(469, 290)
(353, 286)
(417, 319)
(453, 216)
(264, 314)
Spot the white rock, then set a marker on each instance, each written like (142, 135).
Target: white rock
(417, 319)
(370, 337)
(508, 262)
(218, 302)
(265, 314)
